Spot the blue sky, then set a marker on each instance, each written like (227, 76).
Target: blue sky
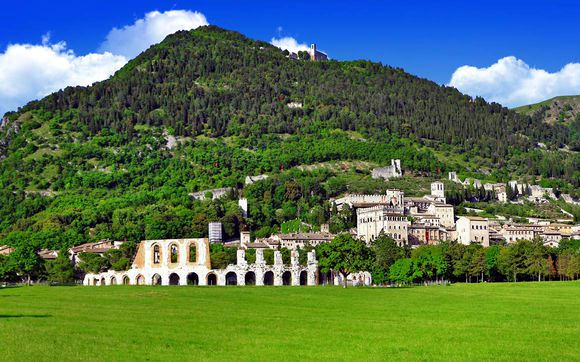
(431, 39)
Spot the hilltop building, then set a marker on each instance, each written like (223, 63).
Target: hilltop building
(315, 54)
(388, 172)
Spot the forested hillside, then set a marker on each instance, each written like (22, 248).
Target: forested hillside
(207, 107)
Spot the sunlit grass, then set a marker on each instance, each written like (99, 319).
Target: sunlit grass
(525, 321)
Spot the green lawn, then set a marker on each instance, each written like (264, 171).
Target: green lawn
(524, 321)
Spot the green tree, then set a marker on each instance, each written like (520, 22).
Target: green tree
(26, 262)
(386, 252)
(92, 263)
(345, 255)
(403, 271)
(537, 259)
(60, 270)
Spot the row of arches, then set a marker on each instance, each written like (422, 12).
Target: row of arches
(211, 279)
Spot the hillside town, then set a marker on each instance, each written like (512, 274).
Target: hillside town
(409, 221)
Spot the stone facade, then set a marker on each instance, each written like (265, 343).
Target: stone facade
(391, 221)
(252, 179)
(388, 172)
(444, 212)
(187, 262)
(473, 229)
(216, 193)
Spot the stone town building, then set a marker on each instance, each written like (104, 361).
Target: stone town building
(438, 190)
(502, 196)
(295, 241)
(388, 172)
(473, 229)
(243, 204)
(46, 254)
(551, 238)
(187, 262)
(444, 212)
(99, 247)
(513, 233)
(426, 234)
(390, 221)
(453, 177)
(391, 197)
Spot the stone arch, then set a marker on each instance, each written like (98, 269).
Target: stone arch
(95, 281)
(173, 253)
(113, 280)
(211, 279)
(103, 282)
(269, 278)
(156, 279)
(231, 278)
(250, 278)
(156, 254)
(192, 252)
(173, 279)
(303, 277)
(126, 280)
(192, 279)
(286, 278)
(140, 280)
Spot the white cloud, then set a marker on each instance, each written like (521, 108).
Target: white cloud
(32, 71)
(289, 43)
(511, 82)
(131, 40)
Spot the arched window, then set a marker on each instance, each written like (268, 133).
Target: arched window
(174, 254)
(156, 254)
(192, 253)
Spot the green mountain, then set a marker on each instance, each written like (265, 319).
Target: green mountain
(207, 107)
(563, 110)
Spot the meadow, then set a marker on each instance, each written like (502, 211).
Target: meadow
(504, 321)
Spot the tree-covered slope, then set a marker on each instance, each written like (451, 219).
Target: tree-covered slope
(206, 108)
(218, 82)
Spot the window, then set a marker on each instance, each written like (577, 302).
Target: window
(192, 253)
(174, 253)
(156, 254)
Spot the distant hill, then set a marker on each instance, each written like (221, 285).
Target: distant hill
(205, 108)
(563, 109)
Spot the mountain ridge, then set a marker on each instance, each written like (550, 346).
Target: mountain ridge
(90, 163)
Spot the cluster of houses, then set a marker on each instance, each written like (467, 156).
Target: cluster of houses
(534, 193)
(409, 221)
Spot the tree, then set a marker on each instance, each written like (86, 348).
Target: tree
(92, 263)
(386, 252)
(492, 255)
(6, 270)
(403, 271)
(477, 266)
(536, 259)
(344, 254)
(26, 262)
(429, 262)
(61, 269)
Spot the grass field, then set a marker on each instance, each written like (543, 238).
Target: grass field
(524, 321)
